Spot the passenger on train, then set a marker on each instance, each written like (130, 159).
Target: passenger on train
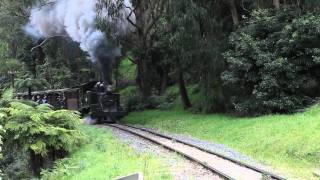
(44, 99)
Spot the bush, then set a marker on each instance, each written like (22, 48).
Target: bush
(38, 134)
(1, 142)
(132, 99)
(274, 62)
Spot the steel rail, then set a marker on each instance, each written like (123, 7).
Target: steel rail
(259, 170)
(221, 174)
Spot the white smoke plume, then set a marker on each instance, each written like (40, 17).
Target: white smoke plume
(77, 19)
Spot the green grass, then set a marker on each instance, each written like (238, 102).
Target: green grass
(288, 143)
(104, 157)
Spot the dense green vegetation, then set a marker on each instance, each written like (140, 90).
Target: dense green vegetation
(274, 62)
(57, 64)
(104, 157)
(260, 60)
(245, 58)
(1, 143)
(289, 143)
(35, 136)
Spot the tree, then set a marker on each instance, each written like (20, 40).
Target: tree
(276, 4)
(30, 84)
(40, 61)
(2, 132)
(8, 70)
(194, 34)
(148, 14)
(185, 38)
(13, 16)
(234, 12)
(66, 65)
(273, 63)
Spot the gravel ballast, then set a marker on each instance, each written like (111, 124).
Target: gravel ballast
(181, 168)
(214, 147)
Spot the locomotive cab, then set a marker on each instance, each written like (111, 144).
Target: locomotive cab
(103, 105)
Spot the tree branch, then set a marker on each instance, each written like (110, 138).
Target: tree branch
(130, 21)
(44, 41)
(132, 60)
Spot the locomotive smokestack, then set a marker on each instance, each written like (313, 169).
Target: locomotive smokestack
(77, 19)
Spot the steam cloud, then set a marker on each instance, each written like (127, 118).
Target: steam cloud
(77, 19)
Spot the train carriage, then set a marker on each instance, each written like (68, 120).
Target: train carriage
(88, 99)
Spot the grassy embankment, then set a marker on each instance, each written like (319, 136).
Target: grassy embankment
(104, 157)
(289, 143)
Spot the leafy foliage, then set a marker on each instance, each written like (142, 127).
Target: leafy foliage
(65, 64)
(38, 128)
(180, 42)
(273, 62)
(26, 82)
(8, 69)
(39, 131)
(131, 99)
(105, 157)
(1, 143)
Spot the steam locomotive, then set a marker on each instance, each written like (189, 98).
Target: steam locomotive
(93, 99)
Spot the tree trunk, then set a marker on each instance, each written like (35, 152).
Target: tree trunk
(234, 12)
(29, 93)
(163, 75)
(183, 92)
(164, 83)
(36, 163)
(276, 4)
(142, 78)
(41, 55)
(116, 76)
(13, 48)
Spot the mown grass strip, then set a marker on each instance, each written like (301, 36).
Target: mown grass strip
(289, 143)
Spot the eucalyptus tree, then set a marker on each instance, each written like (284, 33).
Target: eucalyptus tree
(148, 14)
(13, 16)
(184, 40)
(41, 61)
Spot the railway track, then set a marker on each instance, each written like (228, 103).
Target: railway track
(225, 167)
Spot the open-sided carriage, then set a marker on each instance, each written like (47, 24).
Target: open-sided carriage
(104, 106)
(59, 98)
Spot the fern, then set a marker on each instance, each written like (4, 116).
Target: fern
(44, 108)
(2, 131)
(7, 95)
(39, 129)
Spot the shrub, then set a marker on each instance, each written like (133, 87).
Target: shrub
(39, 133)
(131, 98)
(1, 142)
(274, 62)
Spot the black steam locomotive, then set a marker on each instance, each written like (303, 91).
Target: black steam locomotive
(93, 99)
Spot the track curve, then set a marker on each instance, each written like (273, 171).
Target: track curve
(225, 167)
